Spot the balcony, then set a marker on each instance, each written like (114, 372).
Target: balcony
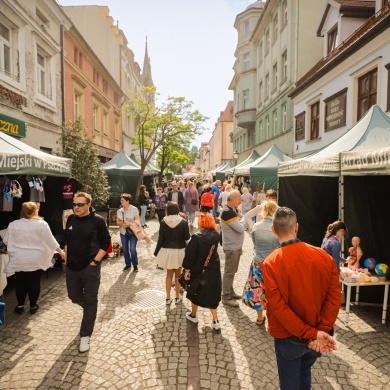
(246, 118)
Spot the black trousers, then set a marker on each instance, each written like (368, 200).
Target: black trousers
(28, 283)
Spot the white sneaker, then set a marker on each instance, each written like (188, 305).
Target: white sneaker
(216, 325)
(191, 318)
(178, 300)
(84, 344)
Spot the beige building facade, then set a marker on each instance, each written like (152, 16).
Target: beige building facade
(283, 47)
(31, 71)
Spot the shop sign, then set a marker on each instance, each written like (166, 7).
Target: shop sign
(336, 110)
(12, 126)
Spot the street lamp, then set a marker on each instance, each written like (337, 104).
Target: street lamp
(235, 157)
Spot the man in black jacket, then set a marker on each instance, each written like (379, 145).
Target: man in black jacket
(176, 196)
(86, 242)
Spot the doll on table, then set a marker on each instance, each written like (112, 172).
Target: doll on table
(355, 254)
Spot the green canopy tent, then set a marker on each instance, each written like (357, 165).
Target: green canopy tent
(252, 157)
(265, 169)
(123, 174)
(220, 172)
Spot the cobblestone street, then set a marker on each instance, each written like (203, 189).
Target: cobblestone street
(139, 343)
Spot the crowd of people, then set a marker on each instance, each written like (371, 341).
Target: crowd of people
(293, 284)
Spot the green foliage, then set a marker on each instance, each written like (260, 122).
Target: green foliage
(175, 122)
(86, 168)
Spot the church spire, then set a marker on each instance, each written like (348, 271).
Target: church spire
(147, 80)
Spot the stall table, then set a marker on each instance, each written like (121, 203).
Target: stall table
(349, 285)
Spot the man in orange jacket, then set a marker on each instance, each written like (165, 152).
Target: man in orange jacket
(302, 301)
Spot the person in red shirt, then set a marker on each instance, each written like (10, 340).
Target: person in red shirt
(302, 302)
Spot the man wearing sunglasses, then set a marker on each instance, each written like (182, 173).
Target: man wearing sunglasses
(86, 242)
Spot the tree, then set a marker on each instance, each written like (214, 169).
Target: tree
(174, 119)
(86, 169)
(171, 156)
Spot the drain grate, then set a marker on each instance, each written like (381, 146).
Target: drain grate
(147, 299)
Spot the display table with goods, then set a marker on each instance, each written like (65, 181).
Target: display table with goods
(363, 278)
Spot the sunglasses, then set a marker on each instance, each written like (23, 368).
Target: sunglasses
(79, 204)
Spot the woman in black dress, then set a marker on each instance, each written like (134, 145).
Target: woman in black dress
(208, 295)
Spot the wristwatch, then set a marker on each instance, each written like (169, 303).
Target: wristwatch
(96, 262)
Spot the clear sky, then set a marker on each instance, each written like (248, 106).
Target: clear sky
(191, 46)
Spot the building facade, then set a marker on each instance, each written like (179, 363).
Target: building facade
(352, 75)
(222, 149)
(31, 71)
(282, 51)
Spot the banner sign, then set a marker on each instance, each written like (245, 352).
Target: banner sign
(12, 126)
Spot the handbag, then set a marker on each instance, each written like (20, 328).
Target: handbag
(129, 232)
(194, 201)
(193, 285)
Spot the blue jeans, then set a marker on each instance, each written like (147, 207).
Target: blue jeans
(129, 247)
(191, 216)
(143, 214)
(83, 286)
(294, 363)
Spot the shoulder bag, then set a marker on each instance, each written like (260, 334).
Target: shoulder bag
(194, 201)
(129, 232)
(192, 286)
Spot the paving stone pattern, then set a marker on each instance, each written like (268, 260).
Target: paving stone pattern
(139, 343)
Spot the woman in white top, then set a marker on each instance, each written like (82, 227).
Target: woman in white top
(126, 214)
(30, 245)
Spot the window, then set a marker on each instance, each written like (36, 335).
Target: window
(315, 121)
(96, 77)
(247, 27)
(261, 130)
(267, 41)
(367, 89)
(284, 118)
(284, 12)
(105, 86)
(43, 73)
(260, 93)
(116, 129)
(247, 62)
(260, 51)
(245, 99)
(267, 86)
(275, 76)
(284, 66)
(332, 39)
(275, 121)
(95, 117)
(116, 98)
(105, 123)
(76, 105)
(300, 126)
(78, 57)
(5, 49)
(267, 133)
(275, 27)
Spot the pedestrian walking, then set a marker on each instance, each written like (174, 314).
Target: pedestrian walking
(191, 202)
(172, 240)
(125, 215)
(233, 231)
(302, 302)
(143, 199)
(246, 200)
(264, 242)
(86, 242)
(203, 245)
(160, 200)
(30, 245)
